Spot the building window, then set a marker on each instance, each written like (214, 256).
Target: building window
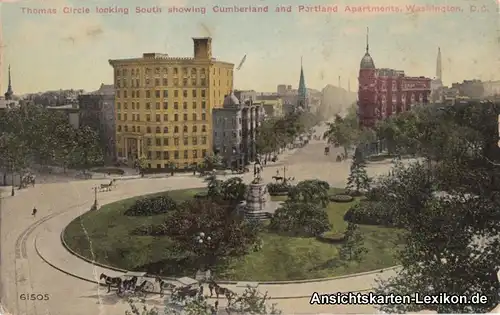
(119, 116)
(118, 105)
(203, 116)
(203, 128)
(203, 153)
(133, 128)
(203, 140)
(176, 93)
(148, 106)
(165, 129)
(158, 130)
(194, 105)
(195, 154)
(119, 128)
(176, 105)
(148, 129)
(157, 94)
(148, 117)
(203, 105)
(157, 82)
(137, 106)
(185, 129)
(186, 154)
(125, 93)
(203, 93)
(185, 141)
(158, 141)
(133, 94)
(195, 128)
(184, 105)
(203, 82)
(148, 94)
(176, 155)
(165, 141)
(195, 140)
(176, 129)
(125, 105)
(176, 82)
(125, 117)
(166, 155)
(165, 93)
(185, 117)
(158, 118)
(165, 82)
(184, 93)
(148, 141)
(165, 105)
(176, 117)
(126, 128)
(165, 117)
(157, 105)
(138, 128)
(176, 141)
(194, 117)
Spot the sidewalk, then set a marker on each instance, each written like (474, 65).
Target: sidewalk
(49, 247)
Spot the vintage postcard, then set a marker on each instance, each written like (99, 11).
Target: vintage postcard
(249, 157)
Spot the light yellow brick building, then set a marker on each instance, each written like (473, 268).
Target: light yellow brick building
(164, 105)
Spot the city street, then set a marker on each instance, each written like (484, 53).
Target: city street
(24, 271)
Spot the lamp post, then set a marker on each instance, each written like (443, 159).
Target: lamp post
(203, 239)
(284, 173)
(12, 193)
(94, 206)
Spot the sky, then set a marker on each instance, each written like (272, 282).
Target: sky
(63, 51)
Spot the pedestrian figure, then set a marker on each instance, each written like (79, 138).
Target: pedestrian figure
(211, 288)
(201, 289)
(34, 211)
(215, 308)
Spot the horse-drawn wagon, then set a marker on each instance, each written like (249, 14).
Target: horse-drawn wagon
(129, 284)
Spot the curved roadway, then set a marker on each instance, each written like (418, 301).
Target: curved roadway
(24, 271)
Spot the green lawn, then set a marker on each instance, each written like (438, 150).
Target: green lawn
(282, 257)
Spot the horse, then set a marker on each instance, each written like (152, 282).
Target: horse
(111, 281)
(130, 284)
(107, 187)
(185, 292)
(144, 287)
(164, 285)
(214, 287)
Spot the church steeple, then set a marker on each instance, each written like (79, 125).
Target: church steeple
(439, 70)
(8, 95)
(367, 42)
(302, 90)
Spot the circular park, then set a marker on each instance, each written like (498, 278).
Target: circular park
(175, 233)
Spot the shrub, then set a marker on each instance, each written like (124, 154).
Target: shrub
(341, 198)
(201, 195)
(375, 194)
(150, 230)
(278, 189)
(110, 170)
(300, 219)
(151, 206)
(331, 238)
(371, 213)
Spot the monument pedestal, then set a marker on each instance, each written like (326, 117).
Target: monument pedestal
(258, 202)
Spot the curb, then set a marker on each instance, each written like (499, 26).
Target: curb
(157, 292)
(233, 281)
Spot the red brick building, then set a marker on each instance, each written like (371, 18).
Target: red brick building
(383, 92)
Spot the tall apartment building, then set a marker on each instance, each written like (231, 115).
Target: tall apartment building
(164, 105)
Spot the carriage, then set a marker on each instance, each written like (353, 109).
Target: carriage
(27, 179)
(129, 284)
(135, 284)
(107, 187)
(327, 150)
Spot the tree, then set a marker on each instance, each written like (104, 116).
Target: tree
(310, 191)
(142, 164)
(87, 152)
(341, 133)
(352, 248)
(233, 190)
(300, 218)
(212, 161)
(172, 167)
(230, 235)
(358, 180)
